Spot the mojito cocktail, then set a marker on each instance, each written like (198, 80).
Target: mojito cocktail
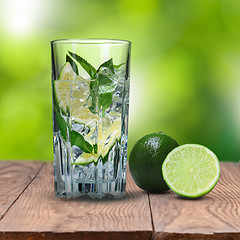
(90, 82)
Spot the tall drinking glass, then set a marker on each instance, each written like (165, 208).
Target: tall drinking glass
(90, 86)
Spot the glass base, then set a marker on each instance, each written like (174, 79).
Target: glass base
(96, 180)
(98, 190)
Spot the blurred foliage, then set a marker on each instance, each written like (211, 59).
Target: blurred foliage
(184, 69)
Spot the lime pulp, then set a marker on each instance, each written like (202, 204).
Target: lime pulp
(191, 170)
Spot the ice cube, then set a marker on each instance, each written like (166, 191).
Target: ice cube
(78, 127)
(80, 90)
(76, 152)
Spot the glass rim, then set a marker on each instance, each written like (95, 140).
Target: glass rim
(96, 41)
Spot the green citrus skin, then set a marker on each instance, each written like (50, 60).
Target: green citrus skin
(146, 159)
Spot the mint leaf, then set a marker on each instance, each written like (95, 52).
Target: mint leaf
(106, 89)
(95, 148)
(62, 125)
(107, 64)
(105, 100)
(118, 66)
(86, 66)
(78, 140)
(72, 63)
(101, 90)
(106, 84)
(94, 95)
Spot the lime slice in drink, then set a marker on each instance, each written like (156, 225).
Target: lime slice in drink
(62, 86)
(72, 92)
(191, 170)
(107, 138)
(85, 159)
(83, 115)
(67, 72)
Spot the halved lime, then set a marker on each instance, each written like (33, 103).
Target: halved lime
(191, 170)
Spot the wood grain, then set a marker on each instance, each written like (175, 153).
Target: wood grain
(40, 215)
(74, 236)
(14, 177)
(31, 211)
(214, 216)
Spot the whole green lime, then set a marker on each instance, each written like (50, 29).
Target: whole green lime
(146, 159)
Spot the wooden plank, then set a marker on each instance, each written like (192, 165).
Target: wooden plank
(14, 178)
(39, 214)
(215, 216)
(74, 236)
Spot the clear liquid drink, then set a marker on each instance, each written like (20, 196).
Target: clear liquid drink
(90, 82)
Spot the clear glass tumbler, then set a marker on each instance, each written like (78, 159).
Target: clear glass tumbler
(90, 89)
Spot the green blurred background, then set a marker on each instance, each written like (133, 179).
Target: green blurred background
(185, 69)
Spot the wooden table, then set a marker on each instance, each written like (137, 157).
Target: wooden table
(29, 210)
